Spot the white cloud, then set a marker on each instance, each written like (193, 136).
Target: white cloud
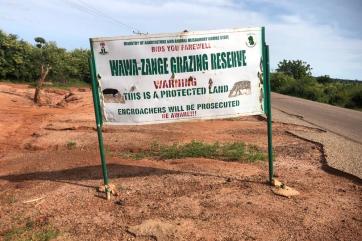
(290, 36)
(319, 45)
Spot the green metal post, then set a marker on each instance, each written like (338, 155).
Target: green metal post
(267, 103)
(264, 68)
(269, 117)
(98, 116)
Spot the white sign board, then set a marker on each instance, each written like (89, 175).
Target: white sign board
(163, 78)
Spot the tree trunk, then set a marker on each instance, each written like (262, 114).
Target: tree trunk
(39, 84)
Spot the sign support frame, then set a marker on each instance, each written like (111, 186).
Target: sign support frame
(267, 110)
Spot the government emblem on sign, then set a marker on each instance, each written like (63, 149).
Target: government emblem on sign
(250, 40)
(103, 48)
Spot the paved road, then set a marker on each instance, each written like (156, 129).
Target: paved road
(341, 121)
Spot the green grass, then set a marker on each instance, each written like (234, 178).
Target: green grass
(34, 231)
(71, 145)
(69, 84)
(233, 151)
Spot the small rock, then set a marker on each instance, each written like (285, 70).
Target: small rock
(119, 202)
(35, 134)
(285, 191)
(277, 183)
(61, 104)
(68, 95)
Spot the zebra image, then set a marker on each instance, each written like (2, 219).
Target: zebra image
(240, 88)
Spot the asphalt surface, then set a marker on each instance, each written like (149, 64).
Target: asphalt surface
(341, 121)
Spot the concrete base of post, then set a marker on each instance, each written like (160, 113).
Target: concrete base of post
(109, 190)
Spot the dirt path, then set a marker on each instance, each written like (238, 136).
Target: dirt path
(19, 117)
(185, 199)
(22, 122)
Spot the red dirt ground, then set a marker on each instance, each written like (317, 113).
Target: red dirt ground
(185, 199)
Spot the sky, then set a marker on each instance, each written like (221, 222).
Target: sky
(327, 34)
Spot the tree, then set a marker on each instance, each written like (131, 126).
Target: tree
(298, 69)
(80, 60)
(15, 58)
(48, 57)
(324, 79)
(44, 66)
(22, 61)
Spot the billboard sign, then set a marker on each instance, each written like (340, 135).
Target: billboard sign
(160, 78)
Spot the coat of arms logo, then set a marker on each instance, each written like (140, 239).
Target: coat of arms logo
(103, 48)
(251, 42)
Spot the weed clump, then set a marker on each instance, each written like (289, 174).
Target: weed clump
(71, 145)
(233, 151)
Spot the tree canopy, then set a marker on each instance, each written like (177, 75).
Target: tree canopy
(298, 69)
(293, 77)
(20, 60)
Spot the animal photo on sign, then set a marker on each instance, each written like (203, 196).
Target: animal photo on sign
(112, 96)
(240, 88)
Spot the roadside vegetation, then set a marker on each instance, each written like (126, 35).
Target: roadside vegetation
(293, 77)
(21, 61)
(71, 145)
(233, 151)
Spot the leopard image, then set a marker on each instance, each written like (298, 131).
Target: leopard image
(240, 88)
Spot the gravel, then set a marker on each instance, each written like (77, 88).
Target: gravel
(340, 153)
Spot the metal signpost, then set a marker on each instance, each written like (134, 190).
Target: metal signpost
(162, 78)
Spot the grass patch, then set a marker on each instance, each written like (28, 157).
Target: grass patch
(71, 145)
(10, 199)
(69, 84)
(34, 231)
(234, 151)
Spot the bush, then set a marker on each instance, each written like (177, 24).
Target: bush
(293, 78)
(356, 100)
(280, 81)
